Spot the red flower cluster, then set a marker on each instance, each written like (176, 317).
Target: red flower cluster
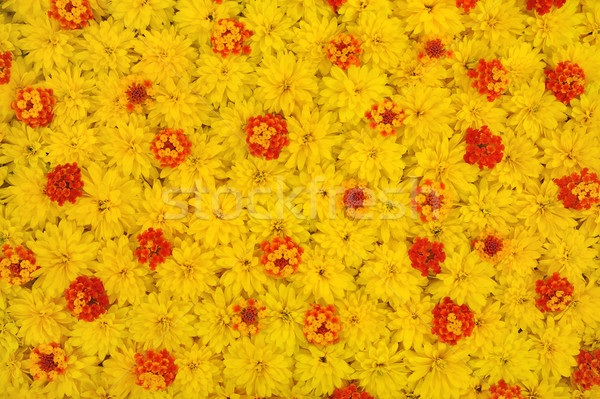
(153, 247)
(86, 298)
(47, 362)
(282, 256)
(587, 373)
(247, 316)
(5, 65)
(135, 93)
(336, 4)
(543, 6)
(155, 371)
(385, 117)
(171, 147)
(432, 201)
(17, 265)
(452, 322)
(483, 148)
(426, 256)
(435, 49)
(490, 246)
(64, 183)
(321, 325)
(556, 293)
(34, 106)
(71, 14)
(566, 81)
(266, 135)
(580, 190)
(467, 5)
(502, 390)
(343, 51)
(350, 392)
(229, 36)
(490, 77)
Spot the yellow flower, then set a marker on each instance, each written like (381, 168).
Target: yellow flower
(475, 111)
(521, 61)
(75, 142)
(23, 146)
(489, 205)
(363, 320)
(410, 321)
(320, 370)
(558, 347)
(197, 18)
(47, 45)
(139, 14)
(497, 25)
(570, 253)
(380, 369)
(582, 312)
(350, 240)
(224, 78)
(214, 326)
(276, 219)
(556, 28)
(518, 297)
(256, 178)
(199, 370)
(410, 71)
(177, 104)
(382, 39)
(72, 89)
(270, 25)
(488, 322)
(312, 35)
(243, 272)
(569, 151)
(438, 17)
(523, 252)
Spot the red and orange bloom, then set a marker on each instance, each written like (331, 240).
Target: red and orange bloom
(136, 92)
(336, 4)
(566, 81)
(16, 265)
(86, 298)
(434, 49)
(155, 371)
(229, 36)
(483, 148)
(343, 51)
(432, 201)
(426, 256)
(71, 14)
(555, 293)
(543, 6)
(489, 78)
(281, 256)
(452, 322)
(247, 316)
(47, 362)
(171, 147)
(356, 199)
(266, 135)
(502, 390)
(466, 5)
(580, 190)
(34, 107)
(350, 392)
(153, 248)
(587, 373)
(490, 246)
(64, 183)
(5, 65)
(321, 325)
(385, 117)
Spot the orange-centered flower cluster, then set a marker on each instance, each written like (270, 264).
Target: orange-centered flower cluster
(580, 190)
(171, 147)
(566, 81)
(587, 373)
(555, 293)
(47, 362)
(385, 117)
(426, 256)
(155, 370)
(281, 256)
(135, 93)
(432, 201)
(247, 316)
(467, 5)
(266, 135)
(321, 325)
(336, 4)
(502, 390)
(543, 6)
(490, 78)
(16, 265)
(71, 14)
(5, 65)
(343, 51)
(452, 322)
(483, 148)
(356, 199)
(86, 298)
(434, 49)
(350, 392)
(490, 246)
(34, 106)
(64, 183)
(229, 36)
(153, 248)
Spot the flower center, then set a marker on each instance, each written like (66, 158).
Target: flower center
(135, 93)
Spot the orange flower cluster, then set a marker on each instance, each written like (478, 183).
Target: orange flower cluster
(467, 5)
(343, 51)
(336, 4)
(426, 256)
(153, 248)
(490, 246)
(356, 199)
(483, 148)
(490, 78)
(556, 293)
(452, 322)
(432, 201)
(17, 265)
(171, 147)
(321, 325)
(266, 135)
(86, 298)
(247, 316)
(34, 107)
(155, 371)
(135, 93)
(385, 117)
(587, 373)
(434, 50)
(64, 183)
(579, 191)
(71, 14)
(281, 256)
(229, 36)
(350, 392)
(543, 6)
(502, 390)
(47, 362)
(566, 81)
(5, 65)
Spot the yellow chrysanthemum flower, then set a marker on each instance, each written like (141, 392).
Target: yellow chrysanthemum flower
(139, 14)
(438, 17)
(523, 251)
(410, 321)
(570, 253)
(102, 336)
(277, 219)
(517, 298)
(178, 104)
(558, 347)
(380, 369)
(243, 272)
(521, 61)
(214, 326)
(320, 370)
(382, 39)
(411, 71)
(200, 369)
(488, 322)
(23, 146)
(363, 320)
(76, 142)
(197, 18)
(224, 78)
(47, 45)
(350, 240)
(489, 205)
(270, 25)
(312, 36)
(557, 28)
(72, 89)
(475, 111)
(570, 150)
(498, 26)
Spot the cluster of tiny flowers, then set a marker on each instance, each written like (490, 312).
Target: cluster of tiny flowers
(579, 190)
(543, 6)
(432, 201)
(434, 50)
(467, 5)
(34, 107)
(452, 322)
(502, 390)
(356, 198)
(483, 148)
(155, 371)
(136, 92)
(5, 65)
(336, 4)
(343, 51)
(555, 293)
(385, 117)
(426, 256)
(281, 256)
(17, 265)
(321, 325)
(266, 135)
(47, 362)
(490, 78)
(153, 248)
(350, 392)
(171, 147)
(64, 183)
(71, 14)
(490, 246)
(86, 298)
(587, 373)
(566, 81)
(247, 316)
(229, 36)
